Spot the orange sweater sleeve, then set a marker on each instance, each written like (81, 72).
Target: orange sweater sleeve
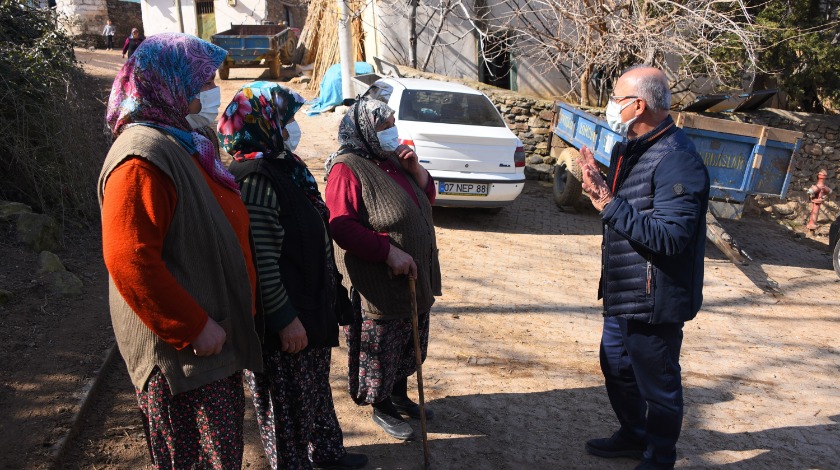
(137, 209)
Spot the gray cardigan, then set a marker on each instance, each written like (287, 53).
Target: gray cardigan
(202, 252)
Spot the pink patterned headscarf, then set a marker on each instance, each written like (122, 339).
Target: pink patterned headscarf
(155, 87)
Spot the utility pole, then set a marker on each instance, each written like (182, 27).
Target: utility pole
(345, 53)
(180, 16)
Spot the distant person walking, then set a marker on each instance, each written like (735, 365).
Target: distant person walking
(131, 42)
(109, 32)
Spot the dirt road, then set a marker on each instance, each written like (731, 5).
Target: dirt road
(512, 372)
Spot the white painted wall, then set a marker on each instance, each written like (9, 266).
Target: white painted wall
(245, 12)
(160, 15)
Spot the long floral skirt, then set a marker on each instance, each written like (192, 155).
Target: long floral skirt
(295, 410)
(381, 352)
(200, 429)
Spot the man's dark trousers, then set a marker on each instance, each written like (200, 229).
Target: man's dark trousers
(641, 366)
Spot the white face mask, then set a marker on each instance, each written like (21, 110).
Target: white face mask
(389, 139)
(613, 116)
(293, 140)
(210, 101)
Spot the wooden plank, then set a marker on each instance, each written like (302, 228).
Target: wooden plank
(694, 121)
(762, 141)
(716, 234)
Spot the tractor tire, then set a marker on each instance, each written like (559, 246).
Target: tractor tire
(567, 177)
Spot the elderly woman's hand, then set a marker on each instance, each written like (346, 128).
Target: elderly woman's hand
(409, 162)
(401, 262)
(293, 337)
(210, 340)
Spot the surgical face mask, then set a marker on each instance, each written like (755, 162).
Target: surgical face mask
(210, 101)
(613, 116)
(389, 139)
(293, 140)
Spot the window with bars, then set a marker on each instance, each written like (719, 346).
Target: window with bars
(204, 8)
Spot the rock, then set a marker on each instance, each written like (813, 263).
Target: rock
(10, 209)
(49, 262)
(535, 160)
(63, 283)
(38, 231)
(785, 210)
(537, 172)
(546, 115)
(549, 160)
(5, 296)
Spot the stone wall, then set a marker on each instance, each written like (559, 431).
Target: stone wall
(530, 119)
(83, 17)
(124, 16)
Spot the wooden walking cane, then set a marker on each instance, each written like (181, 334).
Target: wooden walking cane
(419, 358)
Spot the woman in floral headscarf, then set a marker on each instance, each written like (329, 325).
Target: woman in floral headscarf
(176, 244)
(300, 286)
(380, 199)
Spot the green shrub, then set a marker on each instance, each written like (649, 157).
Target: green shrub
(51, 139)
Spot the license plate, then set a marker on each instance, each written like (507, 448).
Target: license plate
(463, 189)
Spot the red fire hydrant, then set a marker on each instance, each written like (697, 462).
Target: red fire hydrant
(818, 194)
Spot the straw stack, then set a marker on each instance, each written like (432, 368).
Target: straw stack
(319, 37)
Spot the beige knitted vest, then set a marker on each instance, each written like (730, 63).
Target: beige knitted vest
(203, 254)
(387, 208)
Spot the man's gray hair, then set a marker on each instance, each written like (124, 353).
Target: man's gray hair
(654, 89)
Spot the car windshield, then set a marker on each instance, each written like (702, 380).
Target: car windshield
(448, 107)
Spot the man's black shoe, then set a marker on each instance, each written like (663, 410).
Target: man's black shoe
(648, 464)
(349, 461)
(407, 407)
(394, 426)
(615, 447)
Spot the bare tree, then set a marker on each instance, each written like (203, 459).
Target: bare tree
(590, 41)
(708, 39)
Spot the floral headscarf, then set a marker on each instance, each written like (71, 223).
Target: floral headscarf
(371, 113)
(251, 126)
(155, 87)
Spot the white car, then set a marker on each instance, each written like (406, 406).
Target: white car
(460, 137)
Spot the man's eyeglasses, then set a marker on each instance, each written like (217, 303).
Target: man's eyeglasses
(618, 99)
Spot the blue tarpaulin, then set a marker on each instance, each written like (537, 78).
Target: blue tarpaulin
(330, 94)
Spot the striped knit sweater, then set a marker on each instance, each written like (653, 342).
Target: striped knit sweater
(293, 251)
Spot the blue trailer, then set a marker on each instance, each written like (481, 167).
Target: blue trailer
(252, 46)
(742, 159)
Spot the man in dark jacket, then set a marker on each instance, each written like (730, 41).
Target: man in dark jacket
(653, 205)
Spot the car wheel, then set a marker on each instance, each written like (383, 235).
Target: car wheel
(835, 258)
(567, 177)
(224, 71)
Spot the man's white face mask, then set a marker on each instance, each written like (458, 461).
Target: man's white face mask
(613, 115)
(210, 101)
(293, 140)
